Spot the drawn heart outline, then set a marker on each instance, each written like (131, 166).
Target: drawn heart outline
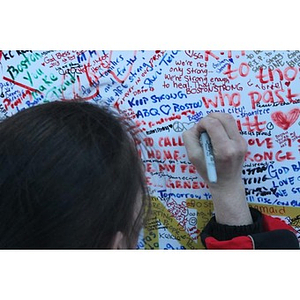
(188, 125)
(165, 109)
(285, 120)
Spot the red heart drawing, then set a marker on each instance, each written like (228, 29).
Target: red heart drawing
(287, 83)
(285, 121)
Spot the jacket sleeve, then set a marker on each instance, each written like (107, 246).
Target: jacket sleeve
(265, 232)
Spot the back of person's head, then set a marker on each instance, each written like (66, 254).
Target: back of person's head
(70, 177)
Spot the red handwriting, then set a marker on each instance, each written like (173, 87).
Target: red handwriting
(269, 76)
(186, 184)
(267, 141)
(233, 99)
(162, 167)
(167, 167)
(243, 71)
(173, 142)
(162, 120)
(191, 169)
(251, 126)
(7, 102)
(271, 97)
(209, 52)
(163, 154)
(243, 53)
(269, 156)
(106, 66)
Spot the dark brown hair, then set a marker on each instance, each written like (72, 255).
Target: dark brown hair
(70, 176)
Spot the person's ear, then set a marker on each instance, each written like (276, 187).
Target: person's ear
(118, 241)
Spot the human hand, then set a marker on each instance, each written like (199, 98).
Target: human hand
(229, 149)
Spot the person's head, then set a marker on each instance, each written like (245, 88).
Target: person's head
(70, 177)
